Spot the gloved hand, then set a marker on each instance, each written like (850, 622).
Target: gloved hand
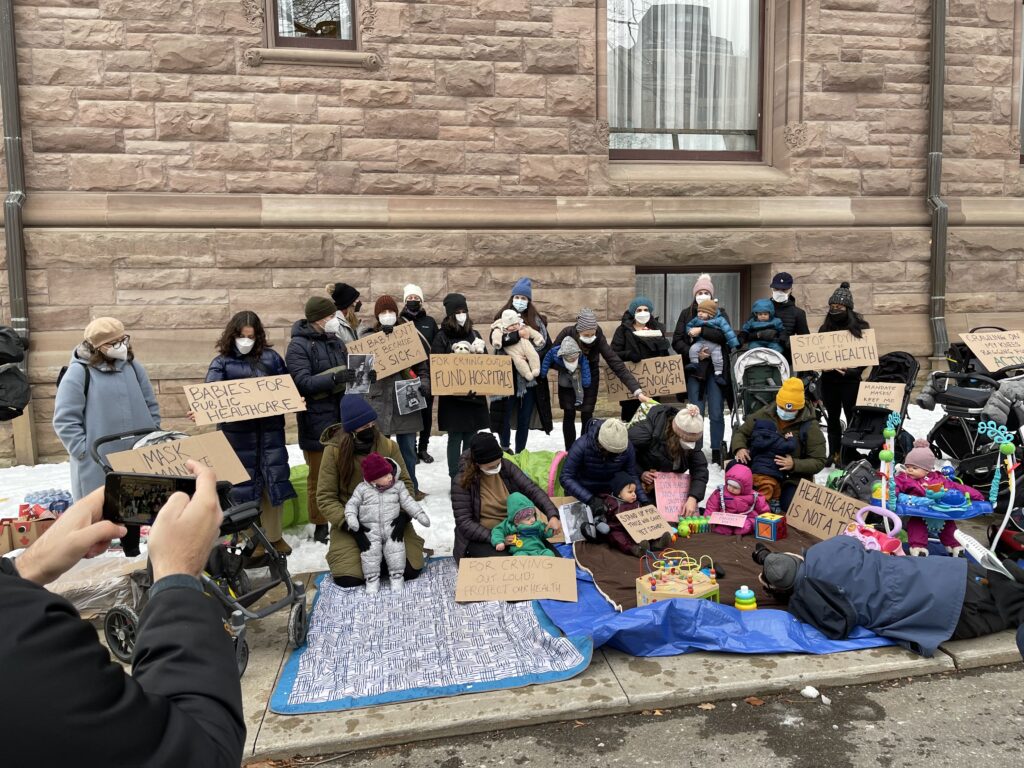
(634, 357)
(398, 526)
(373, 377)
(345, 376)
(766, 334)
(598, 507)
(362, 541)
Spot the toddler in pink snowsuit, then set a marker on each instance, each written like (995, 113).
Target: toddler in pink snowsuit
(738, 497)
(919, 473)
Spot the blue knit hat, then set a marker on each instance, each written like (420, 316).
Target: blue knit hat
(523, 287)
(356, 413)
(641, 301)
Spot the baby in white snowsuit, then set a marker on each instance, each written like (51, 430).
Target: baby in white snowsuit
(506, 336)
(373, 508)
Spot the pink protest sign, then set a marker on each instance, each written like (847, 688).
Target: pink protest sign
(732, 519)
(672, 489)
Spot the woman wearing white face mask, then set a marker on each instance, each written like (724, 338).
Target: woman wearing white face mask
(665, 442)
(260, 444)
(383, 396)
(480, 497)
(105, 390)
(640, 336)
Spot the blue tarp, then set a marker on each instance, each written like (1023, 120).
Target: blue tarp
(672, 627)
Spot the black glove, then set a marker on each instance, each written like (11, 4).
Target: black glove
(635, 357)
(373, 377)
(598, 507)
(345, 376)
(398, 526)
(766, 335)
(362, 541)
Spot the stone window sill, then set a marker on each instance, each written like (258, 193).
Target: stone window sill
(695, 172)
(258, 57)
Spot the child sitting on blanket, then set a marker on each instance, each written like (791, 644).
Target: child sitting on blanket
(914, 479)
(623, 501)
(737, 496)
(375, 505)
(529, 533)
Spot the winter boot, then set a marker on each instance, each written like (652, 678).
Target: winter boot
(282, 548)
(322, 533)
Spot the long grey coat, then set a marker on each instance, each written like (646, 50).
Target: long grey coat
(120, 399)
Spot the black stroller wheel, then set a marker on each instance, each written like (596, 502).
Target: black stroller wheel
(120, 626)
(241, 655)
(297, 624)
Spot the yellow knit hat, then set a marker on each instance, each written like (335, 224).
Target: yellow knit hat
(790, 396)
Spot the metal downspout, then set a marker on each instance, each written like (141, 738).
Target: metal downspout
(936, 206)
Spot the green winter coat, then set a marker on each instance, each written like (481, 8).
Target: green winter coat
(811, 453)
(332, 494)
(532, 535)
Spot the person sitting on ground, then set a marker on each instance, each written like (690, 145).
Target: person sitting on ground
(765, 445)
(593, 461)
(708, 315)
(623, 498)
(522, 532)
(375, 505)
(736, 496)
(764, 329)
(573, 371)
(917, 602)
(480, 494)
(182, 703)
(917, 475)
(666, 442)
(790, 413)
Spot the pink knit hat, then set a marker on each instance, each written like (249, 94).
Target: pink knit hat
(703, 284)
(921, 456)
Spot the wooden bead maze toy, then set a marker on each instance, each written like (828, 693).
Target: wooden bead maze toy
(677, 575)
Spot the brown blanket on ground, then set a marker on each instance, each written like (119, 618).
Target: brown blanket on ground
(615, 573)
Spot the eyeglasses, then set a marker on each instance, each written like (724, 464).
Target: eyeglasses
(126, 339)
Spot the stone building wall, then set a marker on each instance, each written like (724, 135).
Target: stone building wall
(177, 175)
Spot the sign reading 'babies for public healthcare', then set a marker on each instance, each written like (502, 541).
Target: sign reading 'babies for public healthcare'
(828, 351)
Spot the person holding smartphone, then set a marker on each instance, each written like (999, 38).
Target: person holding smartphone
(260, 444)
(182, 703)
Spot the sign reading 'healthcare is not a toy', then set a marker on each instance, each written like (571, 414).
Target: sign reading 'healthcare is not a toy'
(820, 511)
(835, 349)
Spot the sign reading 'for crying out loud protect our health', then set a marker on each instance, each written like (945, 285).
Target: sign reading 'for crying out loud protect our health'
(835, 349)
(240, 399)
(392, 352)
(515, 578)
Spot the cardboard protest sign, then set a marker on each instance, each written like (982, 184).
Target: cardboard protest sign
(392, 352)
(241, 399)
(820, 511)
(731, 519)
(671, 489)
(643, 523)
(879, 394)
(515, 578)
(836, 349)
(996, 349)
(211, 450)
(480, 374)
(658, 376)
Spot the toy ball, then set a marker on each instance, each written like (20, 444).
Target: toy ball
(886, 455)
(1007, 449)
(888, 432)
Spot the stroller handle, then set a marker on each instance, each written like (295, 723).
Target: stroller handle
(966, 377)
(987, 328)
(94, 449)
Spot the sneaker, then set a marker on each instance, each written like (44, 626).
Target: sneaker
(425, 457)
(281, 547)
(322, 533)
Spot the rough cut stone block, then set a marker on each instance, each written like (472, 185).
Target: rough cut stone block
(852, 77)
(530, 140)
(135, 173)
(81, 286)
(395, 184)
(402, 123)
(93, 34)
(573, 95)
(115, 114)
(191, 121)
(285, 107)
(76, 140)
(279, 248)
(430, 156)
(550, 55)
(63, 67)
(151, 87)
(375, 93)
(189, 53)
(466, 78)
(315, 142)
(47, 104)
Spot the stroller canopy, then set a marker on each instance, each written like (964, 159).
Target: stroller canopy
(759, 356)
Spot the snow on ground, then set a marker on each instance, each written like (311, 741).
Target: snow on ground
(309, 555)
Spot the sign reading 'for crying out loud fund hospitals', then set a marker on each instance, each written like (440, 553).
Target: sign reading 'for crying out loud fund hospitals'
(836, 349)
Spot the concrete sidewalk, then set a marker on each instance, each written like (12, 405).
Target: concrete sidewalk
(614, 683)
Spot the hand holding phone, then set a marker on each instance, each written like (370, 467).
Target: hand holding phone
(134, 499)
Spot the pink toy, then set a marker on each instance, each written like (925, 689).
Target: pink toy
(873, 539)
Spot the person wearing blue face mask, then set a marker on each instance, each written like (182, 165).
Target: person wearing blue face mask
(794, 419)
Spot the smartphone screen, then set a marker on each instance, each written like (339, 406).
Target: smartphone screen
(135, 499)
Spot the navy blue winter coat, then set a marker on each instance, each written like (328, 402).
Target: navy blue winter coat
(915, 601)
(765, 444)
(588, 471)
(309, 354)
(259, 443)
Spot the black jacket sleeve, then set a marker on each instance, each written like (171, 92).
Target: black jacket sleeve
(309, 382)
(680, 340)
(182, 706)
(616, 364)
(698, 463)
(800, 325)
(716, 335)
(467, 517)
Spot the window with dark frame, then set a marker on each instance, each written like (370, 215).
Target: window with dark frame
(685, 79)
(672, 291)
(314, 24)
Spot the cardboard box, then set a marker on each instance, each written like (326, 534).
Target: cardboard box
(770, 527)
(6, 545)
(25, 530)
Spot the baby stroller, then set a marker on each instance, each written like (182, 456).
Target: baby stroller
(224, 578)
(864, 432)
(757, 376)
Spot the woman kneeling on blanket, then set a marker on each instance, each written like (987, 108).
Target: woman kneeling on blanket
(481, 495)
(345, 446)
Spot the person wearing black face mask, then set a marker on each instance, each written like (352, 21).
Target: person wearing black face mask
(427, 326)
(345, 446)
(839, 387)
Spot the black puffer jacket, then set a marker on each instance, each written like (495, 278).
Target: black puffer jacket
(425, 324)
(599, 349)
(458, 413)
(632, 348)
(794, 319)
(309, 354)
(648, 439)
(681, 342)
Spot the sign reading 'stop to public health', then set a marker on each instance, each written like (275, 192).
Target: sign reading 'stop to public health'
(836, 349)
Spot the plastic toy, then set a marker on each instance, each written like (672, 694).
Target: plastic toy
(770, 527)
(873, 539)
(677, 575)
(687, 526)
(1002, 437)
(745, 599)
